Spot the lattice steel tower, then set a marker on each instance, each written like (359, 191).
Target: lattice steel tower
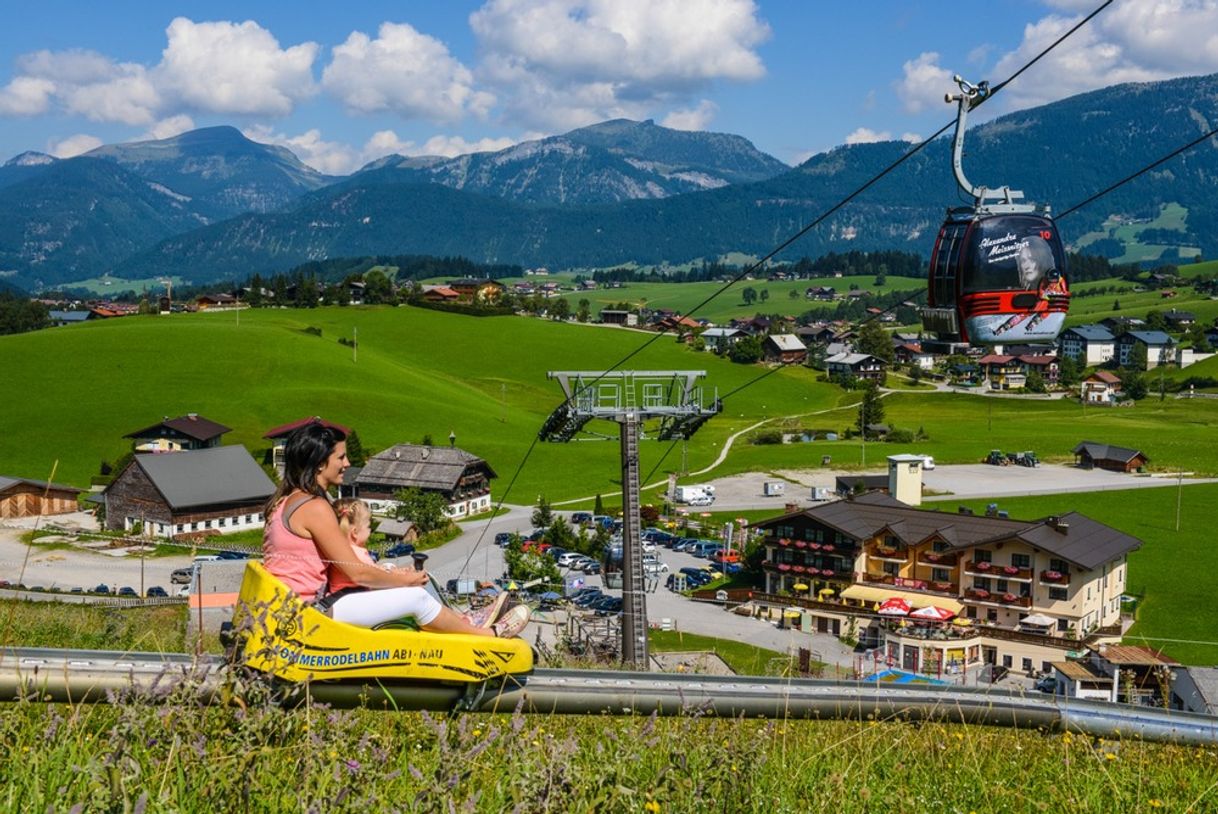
(630, 398)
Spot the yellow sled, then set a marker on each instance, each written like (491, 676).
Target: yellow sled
(284, 637)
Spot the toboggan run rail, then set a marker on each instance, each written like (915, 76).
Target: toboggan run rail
(89, 676)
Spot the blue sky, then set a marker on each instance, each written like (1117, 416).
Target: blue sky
(342, 84)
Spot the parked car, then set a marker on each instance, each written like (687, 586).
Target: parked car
(655, 568)
(127, 590)
(567, 558)
(102, 589)
(77, 590)
(581, 518)
(400, 550)
(609, 607)
(928, 462)
(233, 555)
(1046, 684)
(157, 591)
(723, 557)
(592, 567)
(503, 538)
(588, 598)
(182, 576)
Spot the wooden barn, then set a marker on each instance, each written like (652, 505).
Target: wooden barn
(210, 491)
(21, 497)
(1090, 455)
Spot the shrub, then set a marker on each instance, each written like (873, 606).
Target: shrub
(901, 436)
(773, 436)
(312, 330)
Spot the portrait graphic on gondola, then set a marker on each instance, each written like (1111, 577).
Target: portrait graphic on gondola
(1020, 275)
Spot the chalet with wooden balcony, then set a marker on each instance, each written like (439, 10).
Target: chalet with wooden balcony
(463, 479)
(1025, 592)
(190, 431)
(278, 436)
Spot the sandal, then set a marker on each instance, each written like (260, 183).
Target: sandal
(488, 614)
(512, 622)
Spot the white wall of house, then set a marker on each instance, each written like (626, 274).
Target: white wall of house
(1188, 356)
(227, 524)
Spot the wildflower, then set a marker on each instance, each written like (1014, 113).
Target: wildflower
(1109, 756)
(477, 733)
(652, 806)
(353, 765)
(1155, 803)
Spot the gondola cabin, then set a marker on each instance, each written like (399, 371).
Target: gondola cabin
(997, 278)
(998, 270)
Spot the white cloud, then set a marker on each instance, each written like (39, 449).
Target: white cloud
(697, 118)
(1148, 40)
(26, 96)
(564, 63)
(224, 67)
(455, 145)
(168, 128)
(912, 138)
(216, 67)
(331, 157)
(74, 145)
(865, 135)
(923, 83)
(405, 72)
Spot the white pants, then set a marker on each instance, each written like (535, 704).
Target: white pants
(371, 608)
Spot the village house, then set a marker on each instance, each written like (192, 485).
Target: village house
(190, 431)
(816, 333)
(355, 292)
(1158, 345)
(1120, 674)
(611, 316)
(398, 531)
(1002, 372)
(1101, 387)
(821, 293)
(911, 353)
(1090, 455)
(858, 365)
(278, 436)
(471, 289)
(720, 340)
(207, 302)
(59, 318)
(22, 497)
(1178, 320)
(213, 491)
(1196, 690)
(463, 479)
(439, 293)
(1026, 593)
(1089, 345)
(785, 349)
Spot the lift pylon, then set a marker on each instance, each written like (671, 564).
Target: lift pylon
(630, 398)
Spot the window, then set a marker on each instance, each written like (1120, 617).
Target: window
(222, 521)
(1006, 662)
(247, 518)
(178, 528)
(1061, 566)
(1046, 667)
(892, 568)
(1025, 589)
(940, 575)
(981, 555)
(1021, 560)
(1062, 625)
(1001, 586)
(1058, 594)
(991, 615)
(982, 583)
(939, 546)
(970, 612)
(1027, 665)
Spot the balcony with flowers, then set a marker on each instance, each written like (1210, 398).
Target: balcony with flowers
(1055, 577)
(992, 569)
(1004, 599)
(938, 559)
(887, 553)
(906, 584)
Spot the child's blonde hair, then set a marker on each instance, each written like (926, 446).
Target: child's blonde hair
(352, 513)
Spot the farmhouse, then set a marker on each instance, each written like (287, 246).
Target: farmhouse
(278, 436)
(398, 531)
(1027, 592)
(21, 497)
(461, 477)
(477, 290)
(59, 318)
(720, 339)
(1101, 387)
(208, 301)
(610, 316)
(1126, 674)
(858, 365)
(784, 348)
(186, 432)
(1089, 455)
(439, 293)
(214, 491)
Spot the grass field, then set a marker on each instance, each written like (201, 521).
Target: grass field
(1171, 216)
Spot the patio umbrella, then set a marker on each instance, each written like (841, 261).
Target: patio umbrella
(799, 586)
(791, 613)
(826, 592)
(1038, 620)
(488, 591)
(962, 621)
(551, 595)
(896, 606)
(932, 613)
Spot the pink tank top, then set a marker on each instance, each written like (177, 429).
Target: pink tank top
(292, 558)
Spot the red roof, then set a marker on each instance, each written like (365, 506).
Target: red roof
(994, 359)
(287, 429)
(1105, 377)
(442, 291)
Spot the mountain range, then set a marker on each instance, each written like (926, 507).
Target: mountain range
(212, 205)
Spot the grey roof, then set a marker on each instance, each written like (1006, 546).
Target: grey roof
(8, 483)
(1149, 337)
(395, 528)
(413, 465)
(1073, 537)
(204, 477)
(786, 342)
(192, 425)
(723, 332)
(851, 359)
(69, 316)
(1206, 681)
(1091, 333)
(1107, 452)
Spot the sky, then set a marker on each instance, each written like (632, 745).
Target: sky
(341, 84)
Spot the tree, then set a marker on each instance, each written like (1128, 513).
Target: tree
(793, 294)
(355, 450)
(377, 287)
(525, 566)
(598, 506)
(543, 515)
(18, 315)
(1035, 382)
(1133, 382)
(1116, 306)
(1137, 357)
(561, 309)
(875, 340)
(749, 294)
(765, 294)
(1068, 372)
(1155, 321)
(871, 409)
(427, 510)
(585, 311)
(747, 351)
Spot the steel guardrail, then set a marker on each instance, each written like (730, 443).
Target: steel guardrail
(85, 676)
